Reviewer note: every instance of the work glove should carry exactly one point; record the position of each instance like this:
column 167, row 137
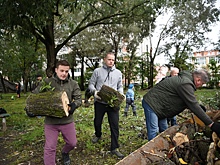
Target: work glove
column 72, row 108
column 216, row 128
column 29, row 114
column 203, row 107
column 96, row 95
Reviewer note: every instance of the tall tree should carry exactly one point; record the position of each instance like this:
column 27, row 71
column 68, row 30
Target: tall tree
column 46, row 21
column 21, row 57
column 190, row 21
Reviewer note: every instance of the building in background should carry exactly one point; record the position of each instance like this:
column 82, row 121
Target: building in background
column 202, row 58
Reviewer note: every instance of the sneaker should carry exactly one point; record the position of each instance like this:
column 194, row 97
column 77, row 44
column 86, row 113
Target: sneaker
column 66, row 158
column 96, row 139
column 117, row 153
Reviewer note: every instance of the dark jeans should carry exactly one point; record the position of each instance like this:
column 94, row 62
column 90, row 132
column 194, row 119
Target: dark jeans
column 113, row 119
column 171, row 121
column 129, row 102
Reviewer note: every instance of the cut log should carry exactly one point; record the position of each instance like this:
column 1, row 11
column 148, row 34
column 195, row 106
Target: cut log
column 111, row 96
column 54, row 104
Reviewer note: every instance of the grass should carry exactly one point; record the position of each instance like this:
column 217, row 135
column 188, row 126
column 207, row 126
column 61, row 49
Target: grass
column 23, row 140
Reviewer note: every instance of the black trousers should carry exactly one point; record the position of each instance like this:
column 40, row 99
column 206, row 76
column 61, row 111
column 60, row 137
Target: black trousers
column 113, row 119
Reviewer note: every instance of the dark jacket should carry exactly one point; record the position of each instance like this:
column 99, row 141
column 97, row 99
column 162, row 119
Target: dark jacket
column 172, row 95
column 73, row 91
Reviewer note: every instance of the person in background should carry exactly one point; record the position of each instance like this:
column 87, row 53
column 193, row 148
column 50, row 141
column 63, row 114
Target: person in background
column 170, row 97
column 18, row 90
column 112, row 77
column 53, row 126
column 130, row 101
column 173, row 72
column 39, row 78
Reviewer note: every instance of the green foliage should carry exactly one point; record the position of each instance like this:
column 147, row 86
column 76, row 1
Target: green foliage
column 186, row 30
column 215, row 76
column 209, row 98
column 24, row 137
column 111, row 101
column 45, row 87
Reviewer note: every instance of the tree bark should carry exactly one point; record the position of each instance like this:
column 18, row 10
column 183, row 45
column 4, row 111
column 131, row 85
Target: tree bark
column 3, row 84
column 53, row 104
column 111, row 96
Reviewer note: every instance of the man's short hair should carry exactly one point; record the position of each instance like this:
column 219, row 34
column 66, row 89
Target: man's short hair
column 62, row 62
column 203, row 74
column 109, row 53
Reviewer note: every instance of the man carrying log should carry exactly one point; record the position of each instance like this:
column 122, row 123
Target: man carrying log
column 170, row 97
column 61, row 81
column 108, row 76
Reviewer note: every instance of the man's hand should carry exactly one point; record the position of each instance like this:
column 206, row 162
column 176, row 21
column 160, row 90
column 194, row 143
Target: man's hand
column 96, row 95
column 216, row 128
column 72, row 107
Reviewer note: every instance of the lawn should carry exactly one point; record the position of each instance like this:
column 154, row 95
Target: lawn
column 23, row 141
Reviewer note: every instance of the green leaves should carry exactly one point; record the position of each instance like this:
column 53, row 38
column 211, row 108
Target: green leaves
column 46, row 87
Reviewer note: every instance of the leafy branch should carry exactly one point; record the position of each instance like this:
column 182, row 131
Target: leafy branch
column 111, row 101
column 46, row 87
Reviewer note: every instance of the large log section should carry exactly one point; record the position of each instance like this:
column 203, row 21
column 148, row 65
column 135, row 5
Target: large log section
column 53, row 104
column 111, row 96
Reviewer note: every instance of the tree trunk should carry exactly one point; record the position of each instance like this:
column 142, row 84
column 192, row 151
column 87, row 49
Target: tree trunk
column 151, row 82
column 111, row 96
column 3, row 84
column 82, row 86
column 50, row 47
column 53, row 104
column 51, row 59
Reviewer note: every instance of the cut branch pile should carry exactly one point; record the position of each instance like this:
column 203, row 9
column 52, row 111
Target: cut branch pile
column 111, row 96
column 190, row 143
column 54, row 104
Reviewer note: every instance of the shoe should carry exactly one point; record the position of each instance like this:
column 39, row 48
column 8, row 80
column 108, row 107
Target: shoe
column 66, row 158
column 117, row 153
column 96, row 139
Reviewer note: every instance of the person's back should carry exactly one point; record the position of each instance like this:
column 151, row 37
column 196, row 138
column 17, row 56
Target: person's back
column 174, row 71
column 170, row 97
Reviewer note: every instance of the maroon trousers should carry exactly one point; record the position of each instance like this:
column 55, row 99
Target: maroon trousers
column 51, row 135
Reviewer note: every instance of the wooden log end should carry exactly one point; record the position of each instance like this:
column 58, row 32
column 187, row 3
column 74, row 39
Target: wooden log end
column 65, row 102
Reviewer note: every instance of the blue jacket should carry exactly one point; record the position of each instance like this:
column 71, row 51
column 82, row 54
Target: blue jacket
column 130, row 94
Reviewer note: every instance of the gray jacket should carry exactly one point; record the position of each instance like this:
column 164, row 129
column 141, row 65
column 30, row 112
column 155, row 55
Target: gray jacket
column 172, row 95
column 111, row 77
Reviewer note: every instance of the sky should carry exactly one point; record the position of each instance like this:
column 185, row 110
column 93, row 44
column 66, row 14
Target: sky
column 213, row 36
